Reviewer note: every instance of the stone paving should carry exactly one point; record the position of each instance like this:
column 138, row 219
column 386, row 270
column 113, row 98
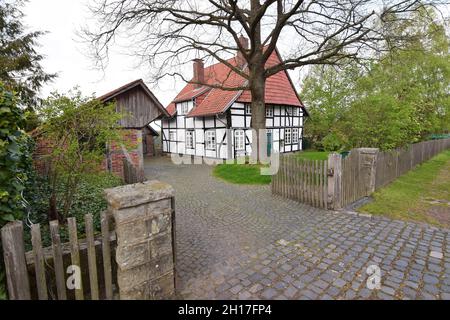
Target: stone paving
column 241, row 242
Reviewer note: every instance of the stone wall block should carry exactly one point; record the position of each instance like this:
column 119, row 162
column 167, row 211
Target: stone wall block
column 129, row 279
column 130, row 256
column 138, row 194
column 157, row 289
column 139, row 230
column 140, row 212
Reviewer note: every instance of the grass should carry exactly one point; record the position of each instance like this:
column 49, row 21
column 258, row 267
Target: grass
column 409, row 197
column 250, row 173
column 313, row 155
column 241, row 174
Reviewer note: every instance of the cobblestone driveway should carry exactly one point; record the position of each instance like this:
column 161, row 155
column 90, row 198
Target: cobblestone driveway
column 240, row 242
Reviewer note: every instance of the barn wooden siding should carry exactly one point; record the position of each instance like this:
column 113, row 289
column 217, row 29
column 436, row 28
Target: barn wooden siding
column 138, row 107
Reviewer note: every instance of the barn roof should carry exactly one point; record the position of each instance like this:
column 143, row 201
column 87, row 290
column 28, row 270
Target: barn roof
column 211, row 101
column 136, row 83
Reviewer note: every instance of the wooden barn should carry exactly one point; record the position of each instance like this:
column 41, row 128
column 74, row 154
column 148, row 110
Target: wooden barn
column 142, row 108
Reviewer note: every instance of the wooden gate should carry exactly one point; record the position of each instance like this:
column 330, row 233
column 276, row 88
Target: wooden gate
column 354, row 179
column 302, row 180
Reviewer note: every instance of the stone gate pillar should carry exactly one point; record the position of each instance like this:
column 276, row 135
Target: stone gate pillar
column 368, row 165
column 145, row 243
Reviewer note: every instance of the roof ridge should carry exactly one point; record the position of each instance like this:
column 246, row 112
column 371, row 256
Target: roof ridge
column 112, row 94
column 121, row 88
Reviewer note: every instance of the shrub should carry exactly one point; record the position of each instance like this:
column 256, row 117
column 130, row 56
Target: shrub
column 332, row 142
column 79, row 129
column 15, row 164
column 87, row 199
column 15, row 158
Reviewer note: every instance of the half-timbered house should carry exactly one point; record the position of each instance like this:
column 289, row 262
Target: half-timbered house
column 210, row 122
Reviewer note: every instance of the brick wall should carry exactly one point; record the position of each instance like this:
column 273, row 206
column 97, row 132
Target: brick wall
column 133, row 141
column 113, row 162
column 40, row 160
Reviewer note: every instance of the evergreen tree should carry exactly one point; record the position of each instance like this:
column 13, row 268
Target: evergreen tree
column 20, row 64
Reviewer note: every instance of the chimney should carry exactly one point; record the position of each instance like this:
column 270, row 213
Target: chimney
column 199, row 73
column 240, row 57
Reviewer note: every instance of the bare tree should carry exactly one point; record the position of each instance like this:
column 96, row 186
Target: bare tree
column 168, row 33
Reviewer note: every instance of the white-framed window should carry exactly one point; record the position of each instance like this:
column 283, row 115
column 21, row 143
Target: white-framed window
column 210, row 140
column 173, row 136
column 295, row 112
column 183, row 107
column 295, row 135
column 269, row 112
column 287, row 136
column 248, row 109
column 239, row 139
column 190, row 139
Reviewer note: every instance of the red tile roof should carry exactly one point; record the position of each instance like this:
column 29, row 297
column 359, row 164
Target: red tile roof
column 279, row 88
column 210, row 101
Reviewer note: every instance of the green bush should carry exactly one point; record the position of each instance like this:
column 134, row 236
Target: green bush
column 79, row 128
column 15, row 164
column 15, row 158
column 387, row 103
column 332, row 142
column 88, row 199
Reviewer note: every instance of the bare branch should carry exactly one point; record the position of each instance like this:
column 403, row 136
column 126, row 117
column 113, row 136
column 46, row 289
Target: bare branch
column 167, row 34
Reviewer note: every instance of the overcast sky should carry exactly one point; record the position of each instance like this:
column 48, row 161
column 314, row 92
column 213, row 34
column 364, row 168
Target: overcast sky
column 64, row 53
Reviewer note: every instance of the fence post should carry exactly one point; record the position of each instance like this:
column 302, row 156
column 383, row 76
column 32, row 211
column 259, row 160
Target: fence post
column 145, row 249
column 334, row 181
column 15, row 263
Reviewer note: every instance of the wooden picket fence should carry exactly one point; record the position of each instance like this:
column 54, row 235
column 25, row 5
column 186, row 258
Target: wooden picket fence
column 393, row 164
column 302, row 180
column 36, row 274
column 131, row 174
column 341, row 181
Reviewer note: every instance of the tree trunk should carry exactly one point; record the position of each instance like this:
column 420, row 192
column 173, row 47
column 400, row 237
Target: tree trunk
column 257, row 83
column 258, row 106
column 52, row 210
